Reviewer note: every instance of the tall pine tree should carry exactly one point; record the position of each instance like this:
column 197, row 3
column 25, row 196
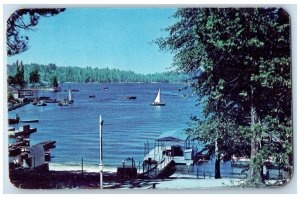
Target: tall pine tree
column 243, row 57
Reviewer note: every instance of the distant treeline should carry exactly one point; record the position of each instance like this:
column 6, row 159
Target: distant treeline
column 88, row 74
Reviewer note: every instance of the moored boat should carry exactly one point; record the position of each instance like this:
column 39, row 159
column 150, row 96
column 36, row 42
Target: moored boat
column 14, row 120
column 35, row 101
column 131, row 97
column 22, row 132
column 49, row 144
column 29, row 121
column 41, row 103
column 63, row 103
column 50, row 100
column 14, row 134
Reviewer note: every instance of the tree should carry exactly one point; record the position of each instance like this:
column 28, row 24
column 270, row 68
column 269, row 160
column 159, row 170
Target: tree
column 34, row 76
column 242, row 57
column 19, row 77
column 11, row 80
column 54, row 82
column 222, row 136
column 79, row 74
column 20, row 20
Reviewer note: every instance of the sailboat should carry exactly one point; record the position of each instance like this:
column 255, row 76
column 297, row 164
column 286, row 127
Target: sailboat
column 157, row 101
column 70, row 99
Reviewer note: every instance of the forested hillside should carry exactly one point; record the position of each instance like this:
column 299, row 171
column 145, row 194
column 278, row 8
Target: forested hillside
column 88, row 74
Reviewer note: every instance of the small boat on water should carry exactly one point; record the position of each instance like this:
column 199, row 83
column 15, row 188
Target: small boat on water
column 41, row 103
column 35, row 101
column 92, row 96
column 131, row 97
column 50, row 100
column 105, row 88
column 157, row 101
column 66, row 102
column 63, row 103
column 29, row 121
column 49, row 144
column 14, row 120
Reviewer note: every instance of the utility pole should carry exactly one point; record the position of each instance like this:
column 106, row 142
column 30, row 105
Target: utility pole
column 101, row 163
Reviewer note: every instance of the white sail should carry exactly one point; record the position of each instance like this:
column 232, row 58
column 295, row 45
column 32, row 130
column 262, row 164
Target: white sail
column 70, row 95
column 157, row 99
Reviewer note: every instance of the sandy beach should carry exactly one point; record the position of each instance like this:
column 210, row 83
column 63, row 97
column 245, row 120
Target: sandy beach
column 76, row 167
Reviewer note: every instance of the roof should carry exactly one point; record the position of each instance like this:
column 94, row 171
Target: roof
column 172, row 136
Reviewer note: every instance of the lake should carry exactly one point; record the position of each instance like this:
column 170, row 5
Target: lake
column 128, row 124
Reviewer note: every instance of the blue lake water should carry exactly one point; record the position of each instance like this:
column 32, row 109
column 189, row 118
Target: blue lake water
column 128, row 124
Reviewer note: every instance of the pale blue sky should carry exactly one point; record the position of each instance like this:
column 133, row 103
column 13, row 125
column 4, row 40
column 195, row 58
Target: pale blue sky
column 101, row 37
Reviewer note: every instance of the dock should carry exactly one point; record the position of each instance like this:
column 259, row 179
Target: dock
column 23, row 131
column 170, row 149
column 18, row 105
column 157, row 154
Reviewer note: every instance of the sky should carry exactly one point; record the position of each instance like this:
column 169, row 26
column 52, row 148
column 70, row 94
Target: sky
column 101, row 37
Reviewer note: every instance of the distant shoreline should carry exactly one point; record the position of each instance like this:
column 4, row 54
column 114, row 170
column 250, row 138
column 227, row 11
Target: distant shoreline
column 88, row 75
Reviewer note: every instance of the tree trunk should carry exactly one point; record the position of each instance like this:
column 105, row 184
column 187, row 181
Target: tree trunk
column 217, row 168
column 218, row 160
column 255, row 170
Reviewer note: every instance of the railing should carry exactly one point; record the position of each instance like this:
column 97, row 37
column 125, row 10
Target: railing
column 149, row 147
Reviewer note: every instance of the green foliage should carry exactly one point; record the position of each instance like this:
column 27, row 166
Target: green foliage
column 19, row 76
column 239, row 63
column 224, row 131
column 24, row 20
column 34, row 76
column 91, row 75
column 54, row 82
column 10, row 97
column 11, row 81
